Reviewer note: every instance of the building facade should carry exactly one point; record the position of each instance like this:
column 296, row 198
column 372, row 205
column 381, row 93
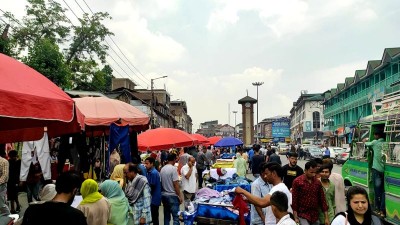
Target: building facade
column 275, row 129
column 359, row 96
column 180, row 113
column 306, row 118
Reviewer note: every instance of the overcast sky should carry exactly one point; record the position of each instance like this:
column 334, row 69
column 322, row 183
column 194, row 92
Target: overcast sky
column 212, row 50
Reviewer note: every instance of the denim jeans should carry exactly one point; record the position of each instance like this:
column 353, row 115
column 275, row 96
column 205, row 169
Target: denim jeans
column 171, row 206
column 379, row 190
column 32, row 190
column 4, row 211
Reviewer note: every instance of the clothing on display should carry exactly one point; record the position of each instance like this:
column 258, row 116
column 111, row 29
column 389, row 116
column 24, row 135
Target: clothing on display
column 33, row 151
column 119, row 135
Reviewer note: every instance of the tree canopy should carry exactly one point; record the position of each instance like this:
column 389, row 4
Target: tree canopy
column 73, row 56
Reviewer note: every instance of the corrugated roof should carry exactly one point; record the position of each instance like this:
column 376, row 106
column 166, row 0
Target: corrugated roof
column 340, row 86
column 349, row 81
column 392, row 51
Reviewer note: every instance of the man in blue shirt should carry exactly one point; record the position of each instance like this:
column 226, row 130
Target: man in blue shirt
column 153, row 177
column 327, row 152
column 250, row 154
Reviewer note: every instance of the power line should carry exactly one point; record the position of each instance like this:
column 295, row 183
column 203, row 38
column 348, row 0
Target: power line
column 118, row 46
column 108, row 54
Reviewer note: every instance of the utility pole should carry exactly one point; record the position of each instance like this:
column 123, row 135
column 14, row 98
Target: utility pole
column 152, row 125
column 235, row 123
column 257, row 84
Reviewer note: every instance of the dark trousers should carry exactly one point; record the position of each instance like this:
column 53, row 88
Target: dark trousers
column 200, row 177
column 154, row 214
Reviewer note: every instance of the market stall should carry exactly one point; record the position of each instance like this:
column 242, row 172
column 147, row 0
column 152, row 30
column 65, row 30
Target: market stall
column 217, row 203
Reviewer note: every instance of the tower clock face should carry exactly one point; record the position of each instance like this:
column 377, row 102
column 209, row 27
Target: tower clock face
column 247, row 104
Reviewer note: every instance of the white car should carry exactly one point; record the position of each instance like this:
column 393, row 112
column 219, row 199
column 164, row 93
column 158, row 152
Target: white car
column 283, row 148
column 334, row 151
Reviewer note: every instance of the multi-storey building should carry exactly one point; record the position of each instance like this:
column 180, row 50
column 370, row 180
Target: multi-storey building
column 360, row 95
column 275, row 128
column 306, row 118
column 143, row 99
column 179, row 111
column 208, row 128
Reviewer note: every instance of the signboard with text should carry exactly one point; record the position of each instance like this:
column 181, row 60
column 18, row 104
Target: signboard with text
column 281, row 128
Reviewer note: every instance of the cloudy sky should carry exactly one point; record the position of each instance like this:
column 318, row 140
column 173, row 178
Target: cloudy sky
column 212, row 50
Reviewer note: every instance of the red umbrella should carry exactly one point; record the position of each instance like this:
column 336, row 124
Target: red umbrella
column 102, row 111
column 29, row 102
column 214, row 139
column 200, row 138
column 164, row 138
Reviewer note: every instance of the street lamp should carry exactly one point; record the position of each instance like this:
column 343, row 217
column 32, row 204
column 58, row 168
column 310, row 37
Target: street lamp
column 257, row 84
column 235, row 123
column 152, row 100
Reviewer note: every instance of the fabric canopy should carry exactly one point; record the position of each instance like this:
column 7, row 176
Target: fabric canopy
column 164, row 138
column 200, row 138
column 228, row 141
column 212, row 140
column 102, row 111
column 29, row 102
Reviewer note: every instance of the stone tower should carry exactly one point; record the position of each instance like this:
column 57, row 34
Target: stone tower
column 248, row 119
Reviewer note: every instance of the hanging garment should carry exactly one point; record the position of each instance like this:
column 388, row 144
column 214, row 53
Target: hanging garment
column 240, row 204
column 32, row 150
column 119, row 135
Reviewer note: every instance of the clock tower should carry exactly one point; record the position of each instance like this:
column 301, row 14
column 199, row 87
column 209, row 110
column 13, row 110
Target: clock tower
column 248, row 119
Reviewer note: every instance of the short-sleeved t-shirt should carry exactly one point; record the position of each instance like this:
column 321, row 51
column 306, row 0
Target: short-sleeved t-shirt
column 168, row 175
column 291, row 173
column 270, row 219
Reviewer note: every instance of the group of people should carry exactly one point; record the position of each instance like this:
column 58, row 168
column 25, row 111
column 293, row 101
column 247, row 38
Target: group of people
column 311, row 196
column 279, row 194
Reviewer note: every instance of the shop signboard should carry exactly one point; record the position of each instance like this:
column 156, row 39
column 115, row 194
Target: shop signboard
column 281, row 128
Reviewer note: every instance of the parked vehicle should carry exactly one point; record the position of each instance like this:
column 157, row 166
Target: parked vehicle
column 313, row 152
column 342, row 156
column 283, row 148
column 357, row 170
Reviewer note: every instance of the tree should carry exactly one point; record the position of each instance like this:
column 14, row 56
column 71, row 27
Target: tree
column 45, row 57
column 46, row 25
column 44, row 19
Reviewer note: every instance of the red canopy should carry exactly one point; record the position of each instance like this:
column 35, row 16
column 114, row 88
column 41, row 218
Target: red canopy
column 214, row 139
column 164, row 138
column 200, row 138
column 103, row 111
column 29, row 102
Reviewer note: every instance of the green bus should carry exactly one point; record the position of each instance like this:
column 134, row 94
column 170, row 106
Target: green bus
column 357, row 169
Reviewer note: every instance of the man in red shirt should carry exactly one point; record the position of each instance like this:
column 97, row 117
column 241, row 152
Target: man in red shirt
column 308, row 196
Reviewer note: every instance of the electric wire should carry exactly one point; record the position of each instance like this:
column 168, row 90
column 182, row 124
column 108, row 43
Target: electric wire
column 138, row 71
column 130, row 77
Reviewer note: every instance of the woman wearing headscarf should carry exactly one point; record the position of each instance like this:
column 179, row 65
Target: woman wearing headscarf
column 119, row 203
column 94, row 206
column 118, row 174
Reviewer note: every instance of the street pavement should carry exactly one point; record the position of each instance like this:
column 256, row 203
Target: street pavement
column 337, row 169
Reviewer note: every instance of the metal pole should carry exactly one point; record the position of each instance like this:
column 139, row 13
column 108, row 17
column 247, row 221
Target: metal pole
column 152, row 101
column 257, row 84
column 235, row 123
column 152, row 105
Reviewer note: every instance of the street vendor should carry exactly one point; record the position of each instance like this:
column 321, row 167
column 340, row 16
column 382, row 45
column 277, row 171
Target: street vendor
column 272, row 173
